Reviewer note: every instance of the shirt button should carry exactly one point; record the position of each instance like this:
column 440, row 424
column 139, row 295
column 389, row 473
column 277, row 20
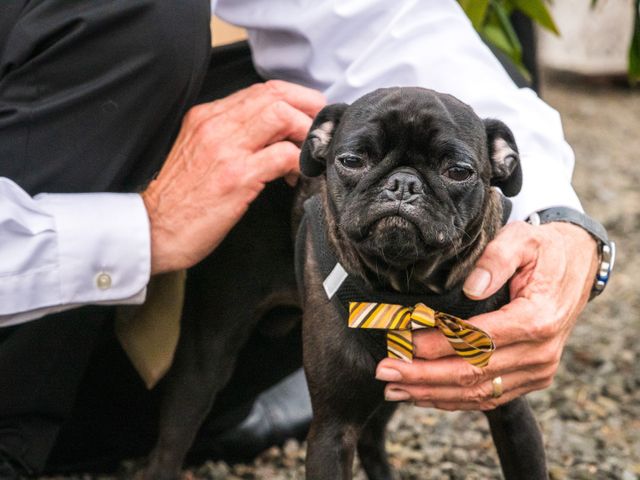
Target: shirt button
column 103, row 281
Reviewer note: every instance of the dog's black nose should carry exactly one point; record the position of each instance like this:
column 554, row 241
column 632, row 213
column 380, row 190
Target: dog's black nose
column 404, row 185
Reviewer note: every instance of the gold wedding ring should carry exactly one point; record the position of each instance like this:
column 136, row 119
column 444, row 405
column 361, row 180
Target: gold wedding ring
column 497, row 387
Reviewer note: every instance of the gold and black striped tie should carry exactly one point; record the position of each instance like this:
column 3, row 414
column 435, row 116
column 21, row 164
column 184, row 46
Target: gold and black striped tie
column 471, row 343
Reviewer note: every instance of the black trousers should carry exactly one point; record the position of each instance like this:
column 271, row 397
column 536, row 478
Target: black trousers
column 92, row 93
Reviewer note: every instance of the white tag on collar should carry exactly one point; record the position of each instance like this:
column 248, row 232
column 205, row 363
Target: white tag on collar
column 333, row 281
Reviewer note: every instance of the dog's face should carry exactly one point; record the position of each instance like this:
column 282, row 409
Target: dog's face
column 409, row 174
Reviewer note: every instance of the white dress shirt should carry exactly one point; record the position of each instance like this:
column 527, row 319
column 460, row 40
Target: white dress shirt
column 58, row 251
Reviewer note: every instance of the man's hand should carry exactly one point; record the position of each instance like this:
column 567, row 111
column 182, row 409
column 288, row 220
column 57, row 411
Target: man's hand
column 224, row 155
column 552, row 268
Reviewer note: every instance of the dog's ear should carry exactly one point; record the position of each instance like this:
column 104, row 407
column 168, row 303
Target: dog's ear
column 313, row 158
column 506, row 171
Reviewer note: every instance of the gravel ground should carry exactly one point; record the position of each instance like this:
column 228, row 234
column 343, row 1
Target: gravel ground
column 590, row 417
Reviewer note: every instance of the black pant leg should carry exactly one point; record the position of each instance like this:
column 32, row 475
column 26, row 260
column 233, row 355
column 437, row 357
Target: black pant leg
column 92, row 93
column 41, row 364
column 115, row 416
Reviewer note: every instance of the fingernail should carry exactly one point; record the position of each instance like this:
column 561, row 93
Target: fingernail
column 388, row 375
column 425, row 404
column 291, row 179
column 477, row 282
column 394, row 395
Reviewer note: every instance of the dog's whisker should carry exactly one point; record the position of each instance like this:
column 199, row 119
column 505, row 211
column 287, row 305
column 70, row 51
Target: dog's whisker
column 377, row 270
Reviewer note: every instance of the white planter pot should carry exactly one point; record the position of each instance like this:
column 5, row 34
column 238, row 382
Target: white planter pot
column 593, row 41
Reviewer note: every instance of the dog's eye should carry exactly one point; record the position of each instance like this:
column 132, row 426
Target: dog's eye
column 351, row 161
column 458, row 174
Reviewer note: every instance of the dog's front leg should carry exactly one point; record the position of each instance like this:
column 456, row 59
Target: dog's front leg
column 371, row 446
column 518, row 441
column 331, row 446
column 344, row 396
column 338, row 430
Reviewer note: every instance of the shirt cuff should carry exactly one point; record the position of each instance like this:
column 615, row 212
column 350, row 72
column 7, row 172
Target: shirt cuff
column 544, row 185
column 104, row 246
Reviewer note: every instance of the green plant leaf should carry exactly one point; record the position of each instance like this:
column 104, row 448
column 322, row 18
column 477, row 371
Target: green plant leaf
column 476, row 10
column 507, row 5
column 499, row 31
column 538, row 11
column 502, row 22
column 497, row 37
column 634, row 50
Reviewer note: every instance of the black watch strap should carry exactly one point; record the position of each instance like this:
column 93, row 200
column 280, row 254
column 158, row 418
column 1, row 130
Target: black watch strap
column 566, row 214
column 607, row 248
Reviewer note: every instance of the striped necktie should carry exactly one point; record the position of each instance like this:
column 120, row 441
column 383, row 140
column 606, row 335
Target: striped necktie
column 471, row 343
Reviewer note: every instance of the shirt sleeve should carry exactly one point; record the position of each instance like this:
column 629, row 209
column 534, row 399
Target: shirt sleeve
column 59, row 251
column 347, row 48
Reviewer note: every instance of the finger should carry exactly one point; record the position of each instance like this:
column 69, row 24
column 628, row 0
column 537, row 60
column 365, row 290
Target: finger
column 277, row 121
column 488, row 404
column 521, row 320
column 514, row 322
column 515, row 246
column 533, row 319
column 307, row 100
column 430, row 344
column 477, row 394
column 260, row 123
column 292, row 178
column 245, row 103
column 274, row 161
column 444, row 371
column 455, row 371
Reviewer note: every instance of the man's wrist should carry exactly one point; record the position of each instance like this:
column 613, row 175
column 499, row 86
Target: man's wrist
column 160, row 262
column 606, row 247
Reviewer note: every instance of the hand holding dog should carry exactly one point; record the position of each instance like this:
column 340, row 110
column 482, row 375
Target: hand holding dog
column 225, row 153
column 551, row 269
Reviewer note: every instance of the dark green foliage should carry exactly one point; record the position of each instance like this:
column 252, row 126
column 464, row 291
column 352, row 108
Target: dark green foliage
column 491, row 18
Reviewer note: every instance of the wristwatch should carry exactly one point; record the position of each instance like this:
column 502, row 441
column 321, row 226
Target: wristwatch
column 606, row 247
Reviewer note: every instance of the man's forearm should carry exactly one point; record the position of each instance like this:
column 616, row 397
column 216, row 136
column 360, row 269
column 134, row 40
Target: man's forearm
column 64, row 250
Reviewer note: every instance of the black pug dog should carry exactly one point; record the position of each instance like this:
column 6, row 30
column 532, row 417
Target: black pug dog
column 406, row 209
column 406, row 205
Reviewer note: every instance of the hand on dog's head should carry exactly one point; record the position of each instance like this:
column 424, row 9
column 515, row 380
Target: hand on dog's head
column 409, row 176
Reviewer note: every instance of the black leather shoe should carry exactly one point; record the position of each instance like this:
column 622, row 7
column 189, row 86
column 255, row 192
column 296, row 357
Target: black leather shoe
column 280, row 413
